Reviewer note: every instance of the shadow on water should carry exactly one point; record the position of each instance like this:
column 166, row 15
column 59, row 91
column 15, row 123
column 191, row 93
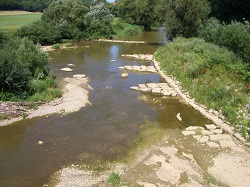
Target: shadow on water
column 102, row 129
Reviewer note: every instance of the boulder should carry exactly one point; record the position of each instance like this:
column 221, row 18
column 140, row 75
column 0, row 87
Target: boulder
column 124, row 75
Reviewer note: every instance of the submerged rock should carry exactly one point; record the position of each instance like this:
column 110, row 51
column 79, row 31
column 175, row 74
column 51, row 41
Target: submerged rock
column 79, row 76
column 124, row 75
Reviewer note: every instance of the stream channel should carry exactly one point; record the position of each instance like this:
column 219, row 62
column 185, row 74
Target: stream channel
column 102, row 129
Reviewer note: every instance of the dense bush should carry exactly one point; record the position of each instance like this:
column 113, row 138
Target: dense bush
column 234, row 36
column 212, row 75
column 21, row 65
column 40, row 32
column 184, row 17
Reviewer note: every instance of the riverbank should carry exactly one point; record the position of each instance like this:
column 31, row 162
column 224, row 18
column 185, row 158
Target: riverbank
column 75, row 96
column 185, row 160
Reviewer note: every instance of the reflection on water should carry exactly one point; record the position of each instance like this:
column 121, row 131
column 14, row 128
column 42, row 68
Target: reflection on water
column 102, row 129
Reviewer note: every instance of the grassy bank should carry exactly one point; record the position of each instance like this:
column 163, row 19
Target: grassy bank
column 10, row 23
column 122, row 28
column 213, row 76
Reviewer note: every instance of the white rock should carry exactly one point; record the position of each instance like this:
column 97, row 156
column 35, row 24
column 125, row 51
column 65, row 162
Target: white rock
column 218, row 137
column 212, row 144
column 204, row 139
column 134, row 88
column 40, row 143
column 211, row 127
column 146, row 90
column 197, row 137
column 112, row 60
column 217, row 131
column 124, row 75
column 194, row 128
column 79, row 76
column 206, row 132
column 156, row 90
column 121, row 67
column 227, row 143
column 66, row 69
column 178, row 116
column 71, row 65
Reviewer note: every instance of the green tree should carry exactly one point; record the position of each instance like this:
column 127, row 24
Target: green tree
column 21, row 61
column 184, row 17
column 98, row 21
column 40, row 32
column 61, row 11
column 141, row 12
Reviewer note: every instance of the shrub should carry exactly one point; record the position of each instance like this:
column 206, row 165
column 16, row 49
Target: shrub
column 234, row 36
column 56, row 46
column 40, row 32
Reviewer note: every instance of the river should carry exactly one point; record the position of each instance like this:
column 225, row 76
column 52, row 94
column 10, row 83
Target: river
column 101, row 130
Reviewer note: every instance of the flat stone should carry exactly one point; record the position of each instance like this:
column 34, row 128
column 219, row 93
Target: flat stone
column 146, row 90
column 142, row 86
column 40, row 143
column 206, row 132
column 174, row 94
column 227, row 143
column 197, row 137
column 219, row 137
column 163, row 84
column 134, row 88
column 211, row 127
column 79, row 76
column 121, row 67
column 71, row 65
column 166, row 93
column 239, row 137
column 152, row 85
column 217, row 131
column 204, row 139
column 213, row 144
column 186, row 133
column 66, row 69
column 156, row 91
column 194, row 128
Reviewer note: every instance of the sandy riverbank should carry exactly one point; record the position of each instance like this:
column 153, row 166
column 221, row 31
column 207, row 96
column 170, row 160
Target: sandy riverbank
column 75, row 96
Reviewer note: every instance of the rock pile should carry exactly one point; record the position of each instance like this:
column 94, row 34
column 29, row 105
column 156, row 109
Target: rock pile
column 139, row 56
column 211, row 135
column 150, row 69
column 156, row 88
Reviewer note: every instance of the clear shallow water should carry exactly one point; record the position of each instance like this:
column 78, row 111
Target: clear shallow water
column 101, row 130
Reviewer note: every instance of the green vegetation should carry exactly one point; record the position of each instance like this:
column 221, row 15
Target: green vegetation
column 24, row 72
column 122, row 28
column 214, row 76
column 114, row 179
column 234, row 36
column 10, row 23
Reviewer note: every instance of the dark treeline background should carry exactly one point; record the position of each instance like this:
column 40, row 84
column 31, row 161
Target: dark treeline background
column 34, row 5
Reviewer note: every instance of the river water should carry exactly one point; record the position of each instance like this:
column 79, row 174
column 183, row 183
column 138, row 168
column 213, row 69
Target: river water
column 101, row 130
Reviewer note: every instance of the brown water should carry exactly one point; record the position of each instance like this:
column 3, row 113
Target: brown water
column 102, row 129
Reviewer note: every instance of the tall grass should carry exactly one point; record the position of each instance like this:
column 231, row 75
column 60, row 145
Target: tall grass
column 10, row 23
column 212, row 75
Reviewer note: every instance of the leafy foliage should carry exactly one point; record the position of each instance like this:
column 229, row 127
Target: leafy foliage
column 40, row 32
column 212, row 75
column 234, row 36
column 184, row 17
column 20, row 59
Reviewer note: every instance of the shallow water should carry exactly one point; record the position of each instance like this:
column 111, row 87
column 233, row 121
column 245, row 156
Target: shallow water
column 101, row 130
